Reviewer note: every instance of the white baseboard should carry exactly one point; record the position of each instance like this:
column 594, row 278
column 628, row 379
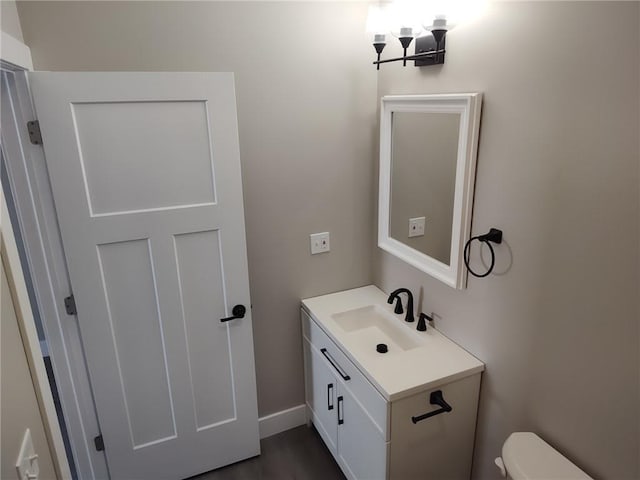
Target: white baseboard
column 283, row 420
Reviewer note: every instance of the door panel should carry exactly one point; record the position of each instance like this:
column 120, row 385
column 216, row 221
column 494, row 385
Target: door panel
column 143, row 168
column 323, row 397
column 145, row 174
column 202, row 292
column 362, row 448
column 136, row 330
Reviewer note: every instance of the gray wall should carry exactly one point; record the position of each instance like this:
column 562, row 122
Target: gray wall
column 306, row 97
column 557, row 325
column 9, row 20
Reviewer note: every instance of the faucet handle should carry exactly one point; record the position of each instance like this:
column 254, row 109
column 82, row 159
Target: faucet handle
column 422, row 324
column 398, row 308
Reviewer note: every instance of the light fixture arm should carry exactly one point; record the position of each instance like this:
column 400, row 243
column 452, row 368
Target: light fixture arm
column 418, row 56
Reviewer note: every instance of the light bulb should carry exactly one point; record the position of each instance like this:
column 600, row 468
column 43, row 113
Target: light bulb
column 439, row 23
column 405, row 19
column 377, row 19
column 455, row 12
column 377, row 23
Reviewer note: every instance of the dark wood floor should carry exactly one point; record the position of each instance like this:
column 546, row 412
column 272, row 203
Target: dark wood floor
column 297, row 454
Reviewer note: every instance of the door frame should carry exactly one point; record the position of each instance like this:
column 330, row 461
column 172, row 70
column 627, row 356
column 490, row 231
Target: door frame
column 34, row 208
column 26, row 324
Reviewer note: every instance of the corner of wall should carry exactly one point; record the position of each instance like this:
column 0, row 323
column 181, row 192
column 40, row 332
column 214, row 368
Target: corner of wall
column 10, row 22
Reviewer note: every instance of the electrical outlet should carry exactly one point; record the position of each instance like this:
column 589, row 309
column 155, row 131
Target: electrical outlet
column 319, row 242
column 416, row 226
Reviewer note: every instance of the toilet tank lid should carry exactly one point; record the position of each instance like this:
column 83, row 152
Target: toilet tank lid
column 527, row 456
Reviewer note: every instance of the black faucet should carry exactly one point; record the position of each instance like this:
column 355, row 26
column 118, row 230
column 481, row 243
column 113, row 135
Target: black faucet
column 396, row 295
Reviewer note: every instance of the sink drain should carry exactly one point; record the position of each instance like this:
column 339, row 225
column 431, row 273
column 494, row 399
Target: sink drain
column 382, row 348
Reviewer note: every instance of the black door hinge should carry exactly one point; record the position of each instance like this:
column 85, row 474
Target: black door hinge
column 70, row 305
column 35, row 136
column 99, row 443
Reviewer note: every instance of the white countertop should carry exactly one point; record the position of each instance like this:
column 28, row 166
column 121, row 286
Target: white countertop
column 397, row 374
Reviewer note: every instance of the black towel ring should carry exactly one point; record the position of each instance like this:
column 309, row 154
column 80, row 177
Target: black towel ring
column 494, row 236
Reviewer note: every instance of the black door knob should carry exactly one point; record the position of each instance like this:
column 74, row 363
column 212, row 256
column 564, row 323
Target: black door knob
column 238, row 312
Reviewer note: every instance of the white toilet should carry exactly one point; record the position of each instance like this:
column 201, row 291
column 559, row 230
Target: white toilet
column 525, row 456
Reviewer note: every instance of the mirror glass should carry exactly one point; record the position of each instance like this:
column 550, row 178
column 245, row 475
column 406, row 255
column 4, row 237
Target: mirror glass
column 424, row 150
column 428, row 147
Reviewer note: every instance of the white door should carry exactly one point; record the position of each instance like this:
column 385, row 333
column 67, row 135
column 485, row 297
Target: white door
column 145, row 173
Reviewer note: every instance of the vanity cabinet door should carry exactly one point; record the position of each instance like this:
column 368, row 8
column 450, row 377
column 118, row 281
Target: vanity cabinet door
column 446, row 439
column 321, row 396
column 362, row 449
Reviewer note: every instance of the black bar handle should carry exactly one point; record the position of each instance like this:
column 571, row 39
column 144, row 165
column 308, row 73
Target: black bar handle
column 237, row 312
column 334, row 364
column 435, row 398
column 330, row 396
column 340, row 411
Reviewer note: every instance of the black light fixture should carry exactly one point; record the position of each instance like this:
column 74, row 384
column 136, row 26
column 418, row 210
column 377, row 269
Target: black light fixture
column 428, row 21
column 379, row 44
column 429, row 48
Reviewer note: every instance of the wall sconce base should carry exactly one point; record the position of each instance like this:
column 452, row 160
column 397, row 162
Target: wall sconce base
column 427, row 43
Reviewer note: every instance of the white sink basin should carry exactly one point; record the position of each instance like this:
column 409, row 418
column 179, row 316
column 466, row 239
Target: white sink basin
column 373, row 325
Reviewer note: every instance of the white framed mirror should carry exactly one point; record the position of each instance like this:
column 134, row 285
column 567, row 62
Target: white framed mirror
column 428, row 150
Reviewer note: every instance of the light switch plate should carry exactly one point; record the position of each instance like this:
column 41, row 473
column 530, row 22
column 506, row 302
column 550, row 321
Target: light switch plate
column 27, row 462
column 416, row 226
column 320, row 242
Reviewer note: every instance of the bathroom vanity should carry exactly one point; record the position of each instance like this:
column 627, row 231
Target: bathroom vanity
column 374, row 410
